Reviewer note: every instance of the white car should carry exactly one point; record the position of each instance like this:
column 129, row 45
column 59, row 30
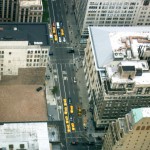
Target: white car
column 74, row 80
column 64, row 39
column 60, row 40
column 57, row 25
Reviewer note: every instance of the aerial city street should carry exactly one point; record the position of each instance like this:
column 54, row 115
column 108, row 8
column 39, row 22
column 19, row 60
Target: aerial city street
column 75, row 74
column 65, row 62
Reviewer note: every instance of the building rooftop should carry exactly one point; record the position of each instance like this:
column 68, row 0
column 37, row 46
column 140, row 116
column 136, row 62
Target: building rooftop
column 29, row 136
column 122, row 51
column 133, row 117
column 140, row 113
column 30, row 2
column 109, row 41
column 22, row 103
column 34, row 33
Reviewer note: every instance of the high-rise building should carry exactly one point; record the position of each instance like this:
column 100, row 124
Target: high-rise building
column 116, row 66
column 111, row 13
column 8, row 10
column 21, row 11
column 23, row 46
column 131, row 132
column 30, row 11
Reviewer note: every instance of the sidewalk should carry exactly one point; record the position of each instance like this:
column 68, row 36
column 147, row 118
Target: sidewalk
column 53, row 113
column 81, row 83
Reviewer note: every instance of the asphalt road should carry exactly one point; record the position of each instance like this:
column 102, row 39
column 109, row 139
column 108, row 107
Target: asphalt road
column 64, row 73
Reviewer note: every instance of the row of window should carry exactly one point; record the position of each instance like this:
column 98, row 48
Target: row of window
column 36, row 64
column 37, row 56
column 31, row 52
column 35, row 60
column 143, row 128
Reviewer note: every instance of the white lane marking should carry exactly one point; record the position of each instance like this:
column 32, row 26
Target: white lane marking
column 53, row 11
column 58, row 81
column 63, row 81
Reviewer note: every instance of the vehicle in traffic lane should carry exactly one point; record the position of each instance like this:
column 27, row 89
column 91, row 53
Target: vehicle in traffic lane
column 74, row 143
column 79, row 111
column 54, row 30
column 62, row 32
column 70, row 51
column 65, row 102
column 71, row 118
column 61, row 23
column 69, row 101
column 55, row 37
column 71, row 109
column 59, row 39
column 58, row 32
column 64, row 39
column 65, row 110
column 50, row 53
column 57, row 25
column 73, row 127
column 68, row 128
column 66, row 120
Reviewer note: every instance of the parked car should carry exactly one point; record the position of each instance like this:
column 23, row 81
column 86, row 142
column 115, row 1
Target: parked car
column 39, row 89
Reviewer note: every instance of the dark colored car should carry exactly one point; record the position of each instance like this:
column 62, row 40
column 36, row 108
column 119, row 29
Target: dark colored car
column 50, row 53
column 69, row 101
column 39, row 89
column 58, row 32
column 74, row 143
column 70, row 51
column 61, row 23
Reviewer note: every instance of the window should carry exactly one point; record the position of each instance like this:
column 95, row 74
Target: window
column 138, row 128
column 148, row 128
column 9, row 53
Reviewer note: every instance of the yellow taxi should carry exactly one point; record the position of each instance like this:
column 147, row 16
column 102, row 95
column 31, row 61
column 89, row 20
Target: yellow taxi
column 62, row 32
column 55, row 37
column 73, row 127
column 79, row 111
column 65, row 110
column 65, row 102
column 54, row 30
column 71, row 109
column 66, row 119
column 68, row 128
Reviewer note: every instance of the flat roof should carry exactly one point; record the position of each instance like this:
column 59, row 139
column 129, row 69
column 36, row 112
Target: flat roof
column 106, row 40
column 30, row 2
column 31, row 32
column 31, row 135
column 140, row 113
column 22, row 103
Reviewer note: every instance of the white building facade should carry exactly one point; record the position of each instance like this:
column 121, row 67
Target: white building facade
column 19, row 54
column 116, row 67
column 111, row 13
